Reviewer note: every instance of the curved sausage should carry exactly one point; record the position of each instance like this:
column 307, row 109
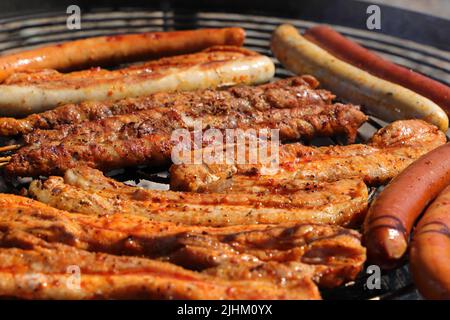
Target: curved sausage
column 384, row 99
column 353, row 53
column 33, row 92
column 392, row 215
column 430, row 250
column 101, row 51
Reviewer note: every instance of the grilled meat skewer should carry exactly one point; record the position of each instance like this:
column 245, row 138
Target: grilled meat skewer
column 277, row 253
column 389, row 151
column 287, row 93
column 145, row 137
column 86, row 190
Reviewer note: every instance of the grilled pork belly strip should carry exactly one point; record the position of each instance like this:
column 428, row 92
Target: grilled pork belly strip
column 86, row 190
column 145, row 137
column 389, row 151
column 329, row 254
column 36, row 91
column 287, row 93
column 33, row 269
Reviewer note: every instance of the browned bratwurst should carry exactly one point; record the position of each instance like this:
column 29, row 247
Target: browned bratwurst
column 430, row 250
column 100, row 51
column 392, row 215
column 384, row 99
column 351, row 52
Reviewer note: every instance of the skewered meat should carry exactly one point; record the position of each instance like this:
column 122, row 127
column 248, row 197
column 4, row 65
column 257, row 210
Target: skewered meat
column 287, row 93
column 86, row 190
column 389, row 151
column 36, row 91
column 145, row 137
column 330, row 255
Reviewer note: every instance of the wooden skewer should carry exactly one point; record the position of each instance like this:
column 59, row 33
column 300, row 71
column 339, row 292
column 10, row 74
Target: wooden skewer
column 5, row 159
column 9, row 148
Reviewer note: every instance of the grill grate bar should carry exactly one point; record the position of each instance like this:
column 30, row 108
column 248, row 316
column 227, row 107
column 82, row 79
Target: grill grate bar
column 237, row 18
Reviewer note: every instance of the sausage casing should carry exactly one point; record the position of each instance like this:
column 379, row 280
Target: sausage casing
column 430, row 250
column 353, row 53
column 392, row 215
column 384, row 99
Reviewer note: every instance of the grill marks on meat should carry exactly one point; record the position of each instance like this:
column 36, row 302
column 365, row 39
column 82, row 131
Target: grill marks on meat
column 284, row 255
column 144, row 137
column 294, row 92
column 87, row 191
column 243, row 262
column 390, row 150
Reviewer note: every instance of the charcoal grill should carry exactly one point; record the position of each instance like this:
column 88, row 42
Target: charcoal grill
column 26, row 27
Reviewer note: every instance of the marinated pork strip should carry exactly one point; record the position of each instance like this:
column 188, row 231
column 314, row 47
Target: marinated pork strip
column 145, row 137
column 37, row 91
column 389, row 151
column 331, row 255
column 116, row 49
column 384, row 99
column 33, row 269
column 341, row 203
column 287, row 93
column 93, row 180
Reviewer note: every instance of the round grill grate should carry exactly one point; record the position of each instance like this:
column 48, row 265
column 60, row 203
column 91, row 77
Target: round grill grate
column 26, row 31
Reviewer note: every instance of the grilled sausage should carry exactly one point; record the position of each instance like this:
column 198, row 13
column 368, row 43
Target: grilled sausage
column 100, row 51
column 382, row 98
column 430, row 250
column 349, row 51
column 33, row 92
column 392, row 215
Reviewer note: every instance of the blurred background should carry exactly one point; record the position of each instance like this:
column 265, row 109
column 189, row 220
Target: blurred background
column 424, row 21
column 414, row 33
column 439, row 8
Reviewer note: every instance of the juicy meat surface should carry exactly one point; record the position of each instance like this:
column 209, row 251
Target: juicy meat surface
column 86, row 190
column 330, row 255
column 29, row 92
column 49, row 78
column 287, row 93
column 389, row 151
column 145, row 137
column 31, row 268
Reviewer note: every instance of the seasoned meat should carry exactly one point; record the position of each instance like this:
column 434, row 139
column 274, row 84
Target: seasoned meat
column 283, row 254
column 389, row 151
column 87, row 191
column 145, row 137
column 288, row 93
